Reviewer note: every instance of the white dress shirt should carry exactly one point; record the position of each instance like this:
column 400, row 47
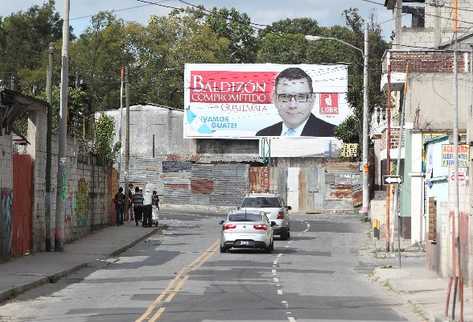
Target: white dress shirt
column 296, row 131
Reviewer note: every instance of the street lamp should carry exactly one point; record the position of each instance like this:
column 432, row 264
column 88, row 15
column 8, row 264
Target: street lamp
column 364, row 53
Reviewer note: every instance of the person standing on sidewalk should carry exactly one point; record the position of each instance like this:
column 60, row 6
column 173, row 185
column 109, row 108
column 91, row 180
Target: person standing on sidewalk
column 147, row 208
column 138, row 205
column 155, row 214
column 119, row 201
column 130, row 215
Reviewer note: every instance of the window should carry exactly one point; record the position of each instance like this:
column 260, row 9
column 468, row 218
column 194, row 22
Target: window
column 245, row 217
column 261, row 202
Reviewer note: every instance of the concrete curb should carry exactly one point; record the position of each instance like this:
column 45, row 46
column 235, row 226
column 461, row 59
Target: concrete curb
column 54, row 277
column 386, row 284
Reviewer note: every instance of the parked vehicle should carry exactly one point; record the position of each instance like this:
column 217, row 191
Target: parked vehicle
column 274, row 207
column 246, row 230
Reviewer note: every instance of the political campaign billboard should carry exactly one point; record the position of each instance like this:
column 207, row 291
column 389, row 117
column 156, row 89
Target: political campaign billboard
column 242, row 101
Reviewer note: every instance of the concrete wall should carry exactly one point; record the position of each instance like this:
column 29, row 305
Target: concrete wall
column 435, row 111
column 87, row 197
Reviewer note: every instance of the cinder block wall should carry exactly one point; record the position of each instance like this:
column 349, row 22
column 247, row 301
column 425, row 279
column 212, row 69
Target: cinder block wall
column 88, row 198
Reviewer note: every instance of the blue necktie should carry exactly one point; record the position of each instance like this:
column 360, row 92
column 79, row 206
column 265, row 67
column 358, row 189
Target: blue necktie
column 290, row 132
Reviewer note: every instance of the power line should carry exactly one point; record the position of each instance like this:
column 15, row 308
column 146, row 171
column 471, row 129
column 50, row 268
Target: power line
column 113, row 10
column 210, row 12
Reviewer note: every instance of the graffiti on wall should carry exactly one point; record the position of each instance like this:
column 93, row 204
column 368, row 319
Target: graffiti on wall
column 6, row 203
column 82, row 202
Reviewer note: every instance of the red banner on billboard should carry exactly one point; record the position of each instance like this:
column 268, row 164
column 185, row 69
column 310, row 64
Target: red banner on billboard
column 329, row 103
column 231, row 87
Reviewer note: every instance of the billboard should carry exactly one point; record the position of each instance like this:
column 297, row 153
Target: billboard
column 242, row 101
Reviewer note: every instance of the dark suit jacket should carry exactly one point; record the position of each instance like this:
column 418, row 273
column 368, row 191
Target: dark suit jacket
column 313, row 127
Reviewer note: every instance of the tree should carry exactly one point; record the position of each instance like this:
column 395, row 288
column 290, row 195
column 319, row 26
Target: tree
column 237, row 28
column 171, row 42
column 24, row 41
column 104, row 133
column 97, row 57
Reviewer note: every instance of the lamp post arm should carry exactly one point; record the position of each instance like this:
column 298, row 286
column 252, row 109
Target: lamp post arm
column 345, row 43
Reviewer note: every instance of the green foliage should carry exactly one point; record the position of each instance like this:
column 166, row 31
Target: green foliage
column 78, row 110
column 104, row 133
column 237, row 28
column 349, row 130
column 24, row 41
column 155, row 55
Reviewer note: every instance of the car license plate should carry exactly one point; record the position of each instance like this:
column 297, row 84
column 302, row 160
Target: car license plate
column 244, row 243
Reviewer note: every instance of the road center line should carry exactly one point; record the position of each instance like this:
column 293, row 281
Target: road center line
column 157, row 315
column 176, row 283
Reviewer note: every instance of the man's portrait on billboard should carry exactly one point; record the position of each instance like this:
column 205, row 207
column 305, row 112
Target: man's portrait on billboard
column 294, row 99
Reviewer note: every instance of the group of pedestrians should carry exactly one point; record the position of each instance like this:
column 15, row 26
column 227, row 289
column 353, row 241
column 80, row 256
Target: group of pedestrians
column 142, row 206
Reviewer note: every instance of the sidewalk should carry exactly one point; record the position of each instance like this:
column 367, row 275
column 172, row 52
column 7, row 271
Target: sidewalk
column 21, row 274
column 420, row 288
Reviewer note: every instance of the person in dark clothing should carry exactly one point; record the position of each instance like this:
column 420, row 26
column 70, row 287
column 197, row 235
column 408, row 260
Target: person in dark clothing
column 119, row 201
column 155, row 199
column 138, row 205
column 130, row 201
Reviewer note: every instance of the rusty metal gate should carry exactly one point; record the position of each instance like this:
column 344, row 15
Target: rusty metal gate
column 21, row 224
column 259, row 179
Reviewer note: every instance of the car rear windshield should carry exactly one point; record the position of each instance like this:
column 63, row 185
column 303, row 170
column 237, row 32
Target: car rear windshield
column 244, row 217
column 261, row 202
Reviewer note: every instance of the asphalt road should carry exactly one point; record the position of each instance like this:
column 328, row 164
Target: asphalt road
column 180, row 276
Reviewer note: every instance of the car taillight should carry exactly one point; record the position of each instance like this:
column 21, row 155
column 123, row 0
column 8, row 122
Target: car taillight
column 280, row 215
column 260, row 227
column 229, row 226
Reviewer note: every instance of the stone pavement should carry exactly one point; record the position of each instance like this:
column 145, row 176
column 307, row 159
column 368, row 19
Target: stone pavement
column 421, row 289
column 21, row 274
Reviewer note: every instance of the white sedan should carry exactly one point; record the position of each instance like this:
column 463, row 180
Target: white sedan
column 246, row 230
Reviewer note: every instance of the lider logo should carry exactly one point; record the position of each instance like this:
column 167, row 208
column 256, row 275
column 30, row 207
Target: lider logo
column 329, row 103
column 231, row 87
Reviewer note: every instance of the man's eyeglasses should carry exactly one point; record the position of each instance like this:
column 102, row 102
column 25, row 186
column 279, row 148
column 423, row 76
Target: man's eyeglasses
column 300, row 98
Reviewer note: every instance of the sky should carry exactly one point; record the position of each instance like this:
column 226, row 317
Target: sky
column 326, row 12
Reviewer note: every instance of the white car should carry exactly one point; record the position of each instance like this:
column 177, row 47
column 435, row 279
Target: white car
column 273, row 206
column 246, row 230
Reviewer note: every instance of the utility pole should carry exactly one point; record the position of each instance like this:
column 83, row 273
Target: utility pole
column 120, row 132
column 396, row 203
column 62, row 135
column 49, row 120
column 366, row 191
column 457, row 274
column 388, row 163
column 127, row 138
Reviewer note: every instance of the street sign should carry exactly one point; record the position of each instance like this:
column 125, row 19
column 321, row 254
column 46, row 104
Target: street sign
column 392, row 179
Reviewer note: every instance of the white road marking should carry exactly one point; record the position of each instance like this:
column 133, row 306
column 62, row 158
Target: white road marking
column 279, row 292
column 287, row 246
column 278, row 285
column 275, row 280
column 288, row 312
column 273, row 271
column 285, row 303
column 280, row 254
column 291, row 319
